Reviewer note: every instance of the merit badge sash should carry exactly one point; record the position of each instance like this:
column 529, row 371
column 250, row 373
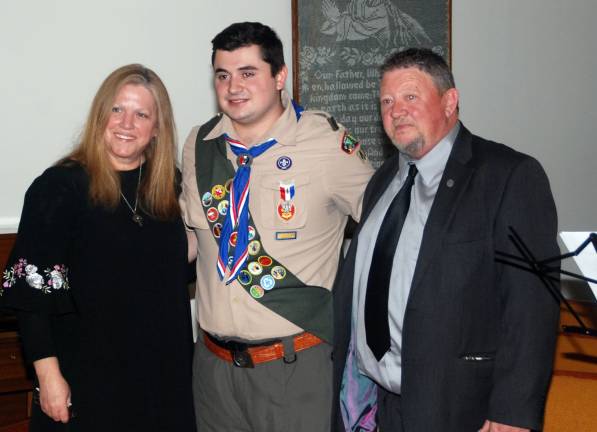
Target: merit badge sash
column 265, row 278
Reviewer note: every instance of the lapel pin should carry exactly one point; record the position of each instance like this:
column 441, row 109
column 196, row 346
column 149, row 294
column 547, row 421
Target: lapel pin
column 450, row 183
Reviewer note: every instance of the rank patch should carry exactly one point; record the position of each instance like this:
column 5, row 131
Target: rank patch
column 286, row 210
column 349, row 143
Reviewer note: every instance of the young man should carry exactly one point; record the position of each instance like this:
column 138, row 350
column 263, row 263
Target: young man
column 267, row 191
column 449, row 338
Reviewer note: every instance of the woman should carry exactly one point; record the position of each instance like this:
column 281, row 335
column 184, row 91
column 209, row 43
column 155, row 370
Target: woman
column 97, row 274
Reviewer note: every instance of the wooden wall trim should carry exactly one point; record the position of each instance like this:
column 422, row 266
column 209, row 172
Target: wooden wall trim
column 6, row 243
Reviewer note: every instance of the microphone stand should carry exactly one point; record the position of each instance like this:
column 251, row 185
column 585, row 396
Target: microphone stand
column 527, row 262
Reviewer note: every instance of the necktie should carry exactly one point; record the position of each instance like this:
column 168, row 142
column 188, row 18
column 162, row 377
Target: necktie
column 377, row 327
column 237, row 217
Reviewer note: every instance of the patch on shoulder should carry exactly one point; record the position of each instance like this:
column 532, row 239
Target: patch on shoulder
column 349, row 143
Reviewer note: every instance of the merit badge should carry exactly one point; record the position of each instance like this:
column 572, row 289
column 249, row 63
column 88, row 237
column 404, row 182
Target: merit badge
column 218, row 191
column 349, row 143
column 217, row 230
column 233, row 238
column 256, row 291
column 212, row 214
column 206, row 199
column 223, row 207
column 278, row 272
column 251, row 233
column 267, row 282
column 284, row 162
column 254, row 268
column 244, row 277
column 265, row 261
column 286, row 210
column 227, row 184
column 254, row 247
column 286, row 191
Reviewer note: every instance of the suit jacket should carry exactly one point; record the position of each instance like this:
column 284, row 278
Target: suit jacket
column 478, row 336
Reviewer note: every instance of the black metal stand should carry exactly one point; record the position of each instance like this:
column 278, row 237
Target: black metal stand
column 527, row 262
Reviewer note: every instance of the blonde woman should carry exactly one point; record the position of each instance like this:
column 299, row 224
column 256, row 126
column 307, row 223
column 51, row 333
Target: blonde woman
column 97, row 274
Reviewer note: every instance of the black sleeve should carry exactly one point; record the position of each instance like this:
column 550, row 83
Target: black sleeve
column 36, row 275
column 36, row 335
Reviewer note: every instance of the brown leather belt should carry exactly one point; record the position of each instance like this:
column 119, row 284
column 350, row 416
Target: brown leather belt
column 247, row 355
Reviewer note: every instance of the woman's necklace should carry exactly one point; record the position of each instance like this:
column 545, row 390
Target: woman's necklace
column 136, row 216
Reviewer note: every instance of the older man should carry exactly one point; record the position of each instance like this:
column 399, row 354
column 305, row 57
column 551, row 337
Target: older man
column 448, row 338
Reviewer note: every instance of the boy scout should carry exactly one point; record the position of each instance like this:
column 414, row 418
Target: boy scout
column 267, row 189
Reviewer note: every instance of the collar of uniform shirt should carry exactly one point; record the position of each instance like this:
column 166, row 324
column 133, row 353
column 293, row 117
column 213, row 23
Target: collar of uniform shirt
column 283, row 130
column 431, row 166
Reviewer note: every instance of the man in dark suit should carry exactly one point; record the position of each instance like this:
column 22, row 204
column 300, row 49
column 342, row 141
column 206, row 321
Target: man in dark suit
column 432, row 333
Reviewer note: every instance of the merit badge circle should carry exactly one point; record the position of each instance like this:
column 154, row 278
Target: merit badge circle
column 223, row 207
column 256, row 291
column 254, row 247
column 244, row 277
column 265, row 261
column 286, row 210
column 255, row 268
column 267, row 282
column 278, row 272
column 212, row 214
column 206, row 199
column 284, row 163
column 251, row 233
column 217, row 230
column 218, row 191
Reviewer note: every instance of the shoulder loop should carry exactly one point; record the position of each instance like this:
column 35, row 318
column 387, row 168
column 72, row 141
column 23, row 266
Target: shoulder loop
column 330, row 118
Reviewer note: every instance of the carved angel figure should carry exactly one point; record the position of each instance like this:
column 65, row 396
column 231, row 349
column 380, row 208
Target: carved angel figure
column 378, row 19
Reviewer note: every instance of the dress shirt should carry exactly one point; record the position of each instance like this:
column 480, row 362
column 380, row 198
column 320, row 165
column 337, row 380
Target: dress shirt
column 387, row 372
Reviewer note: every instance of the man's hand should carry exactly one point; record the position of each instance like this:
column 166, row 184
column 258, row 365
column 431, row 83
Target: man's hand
column 490, row 426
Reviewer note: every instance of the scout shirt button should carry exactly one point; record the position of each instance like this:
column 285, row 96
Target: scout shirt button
column 450, row 183
column 267, row 282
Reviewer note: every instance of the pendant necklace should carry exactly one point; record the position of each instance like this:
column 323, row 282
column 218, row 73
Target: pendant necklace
column 137, row 218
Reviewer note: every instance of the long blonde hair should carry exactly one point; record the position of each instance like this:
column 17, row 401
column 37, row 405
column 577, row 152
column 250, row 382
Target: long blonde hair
column 157, row 193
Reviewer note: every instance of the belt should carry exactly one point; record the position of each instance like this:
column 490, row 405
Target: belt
column 247, row 355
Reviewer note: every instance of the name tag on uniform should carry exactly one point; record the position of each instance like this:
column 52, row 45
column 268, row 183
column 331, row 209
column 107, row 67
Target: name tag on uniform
column 286, row 235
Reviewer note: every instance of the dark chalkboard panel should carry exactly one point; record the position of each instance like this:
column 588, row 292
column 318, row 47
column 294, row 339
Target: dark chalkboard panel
column 338, row 46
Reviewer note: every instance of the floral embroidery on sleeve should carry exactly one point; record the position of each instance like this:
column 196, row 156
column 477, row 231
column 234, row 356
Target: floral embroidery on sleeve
column 53, row 279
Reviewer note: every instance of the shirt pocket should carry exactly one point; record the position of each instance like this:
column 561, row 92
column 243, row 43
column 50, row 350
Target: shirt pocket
column 274, row 214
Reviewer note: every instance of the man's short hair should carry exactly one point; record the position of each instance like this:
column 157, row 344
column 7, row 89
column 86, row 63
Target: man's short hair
column 245, row 34
column 426, row 61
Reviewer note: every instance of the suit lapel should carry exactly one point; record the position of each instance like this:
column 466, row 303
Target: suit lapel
column 457, row 174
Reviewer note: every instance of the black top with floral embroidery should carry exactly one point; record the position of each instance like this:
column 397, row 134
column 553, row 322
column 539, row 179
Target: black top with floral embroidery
column 108, row 298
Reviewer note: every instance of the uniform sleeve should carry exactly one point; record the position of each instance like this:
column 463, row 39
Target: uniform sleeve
column 524, row 358
column 348, row 172
column 36, row 275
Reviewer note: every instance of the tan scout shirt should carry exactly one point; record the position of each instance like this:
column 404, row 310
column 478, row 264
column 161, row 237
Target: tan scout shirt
column 329, row 185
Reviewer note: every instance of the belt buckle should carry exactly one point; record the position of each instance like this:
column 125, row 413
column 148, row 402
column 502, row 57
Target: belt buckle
column 240, row 356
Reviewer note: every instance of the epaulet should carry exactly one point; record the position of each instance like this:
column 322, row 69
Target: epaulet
column 330, row 118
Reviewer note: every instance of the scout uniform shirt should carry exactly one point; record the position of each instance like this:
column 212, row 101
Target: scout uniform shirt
column 328, row 175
